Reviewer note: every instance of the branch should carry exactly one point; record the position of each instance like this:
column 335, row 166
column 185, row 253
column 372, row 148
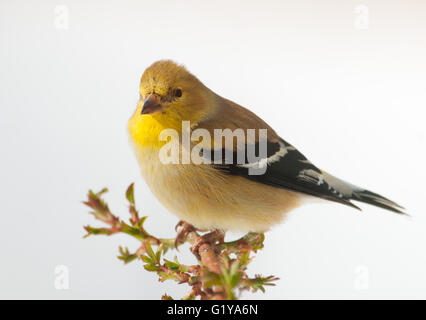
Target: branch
column 221, row 269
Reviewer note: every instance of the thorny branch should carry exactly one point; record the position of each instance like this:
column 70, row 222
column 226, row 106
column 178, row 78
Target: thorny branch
column 221, row 269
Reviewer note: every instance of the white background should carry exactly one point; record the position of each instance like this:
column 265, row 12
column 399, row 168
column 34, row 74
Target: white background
column 352, row 99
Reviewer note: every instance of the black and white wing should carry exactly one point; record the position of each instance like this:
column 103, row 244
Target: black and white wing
column 287, row 168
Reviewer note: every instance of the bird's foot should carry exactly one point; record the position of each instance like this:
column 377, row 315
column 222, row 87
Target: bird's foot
column 183, row 229
column 209, row 238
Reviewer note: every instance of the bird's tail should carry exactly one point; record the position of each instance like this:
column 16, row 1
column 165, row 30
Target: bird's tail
column 376, row 200
column 356, row 193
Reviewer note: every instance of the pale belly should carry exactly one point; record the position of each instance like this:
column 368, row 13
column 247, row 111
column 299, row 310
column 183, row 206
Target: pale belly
column 209, row 199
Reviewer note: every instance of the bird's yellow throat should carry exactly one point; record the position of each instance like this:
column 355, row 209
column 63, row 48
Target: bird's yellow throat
column 145, row 130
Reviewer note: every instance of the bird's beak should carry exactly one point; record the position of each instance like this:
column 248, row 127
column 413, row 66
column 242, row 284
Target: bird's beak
column 151, row 104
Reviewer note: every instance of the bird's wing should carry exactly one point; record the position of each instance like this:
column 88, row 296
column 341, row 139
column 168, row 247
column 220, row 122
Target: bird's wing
column 286, row 167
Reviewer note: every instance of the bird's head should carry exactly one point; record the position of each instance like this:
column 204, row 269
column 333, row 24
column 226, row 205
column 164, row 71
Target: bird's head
column 170, row 94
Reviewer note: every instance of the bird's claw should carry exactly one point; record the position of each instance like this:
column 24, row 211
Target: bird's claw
column 210, row 238
column 184, row 228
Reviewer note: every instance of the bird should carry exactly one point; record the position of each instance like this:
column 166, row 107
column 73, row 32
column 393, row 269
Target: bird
column 224, row 195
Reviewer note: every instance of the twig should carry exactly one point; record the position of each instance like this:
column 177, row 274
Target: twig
column 220, row 273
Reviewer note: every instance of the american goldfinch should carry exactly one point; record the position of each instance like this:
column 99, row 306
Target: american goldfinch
column 224, row 195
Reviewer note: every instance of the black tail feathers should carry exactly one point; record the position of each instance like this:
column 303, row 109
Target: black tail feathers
column 376, row 200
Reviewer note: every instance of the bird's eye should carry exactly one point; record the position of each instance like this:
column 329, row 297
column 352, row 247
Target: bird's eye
column 178, row 93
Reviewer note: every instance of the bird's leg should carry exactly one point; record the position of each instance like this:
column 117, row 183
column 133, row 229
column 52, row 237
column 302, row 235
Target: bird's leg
column 184, row 229
column 209, row 238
